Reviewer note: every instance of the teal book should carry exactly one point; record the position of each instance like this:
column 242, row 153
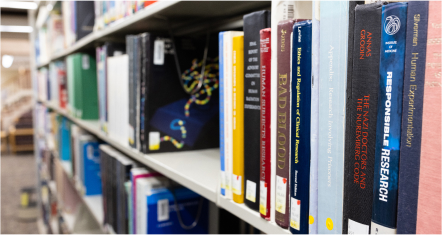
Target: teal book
column 128, row 187
column 332, row 101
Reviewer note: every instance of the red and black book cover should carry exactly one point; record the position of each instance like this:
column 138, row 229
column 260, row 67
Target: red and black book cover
column 282, row 193
column 265, row 120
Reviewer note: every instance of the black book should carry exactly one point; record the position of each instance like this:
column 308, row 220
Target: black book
column 84, row 18
column 414, row 81
column 131, row 51
column 253, row 23
column 171, row 119
column 104, row 171
column 360, row 136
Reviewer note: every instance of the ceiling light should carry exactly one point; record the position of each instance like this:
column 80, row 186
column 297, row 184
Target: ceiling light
column 15, row 29
column 18, row 5
column 7, row 60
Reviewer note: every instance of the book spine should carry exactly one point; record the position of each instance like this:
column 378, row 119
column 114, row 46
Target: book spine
column 388, row 132
column 253, row 23
column 412, row 105
column 130, row 53
column 429, row 200
column 332, row 103
column 238, row 118
column 360, row 138
column 221, row 112
column 283, row 124
column 137, row 86
column 265, row 123
column 228, row 112
column 314, row 117
column 300, row 127
column 145, row 45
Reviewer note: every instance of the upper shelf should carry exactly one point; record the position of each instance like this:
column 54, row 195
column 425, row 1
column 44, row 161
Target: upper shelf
column 182, row 17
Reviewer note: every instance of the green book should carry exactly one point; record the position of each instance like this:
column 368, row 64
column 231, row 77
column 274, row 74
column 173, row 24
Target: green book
column 82, row 86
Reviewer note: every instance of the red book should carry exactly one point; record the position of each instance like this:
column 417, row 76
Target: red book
column 264, row 194
column 63, row 92
column 429, row 200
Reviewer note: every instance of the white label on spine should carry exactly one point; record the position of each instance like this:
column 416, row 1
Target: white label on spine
column 251, row 191
column 223, row 179
column 163, row 210
column 158, row 52
column 228, row 181
column 237, row 184
column 357, row 228
column 263, row 198
column 295, row 213
column 281, row 192
column 85, row 62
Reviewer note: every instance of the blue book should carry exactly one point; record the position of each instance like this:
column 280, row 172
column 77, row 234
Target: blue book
column 388, row 128
column 91, row 165
column 65, row 139
column 300, row 127
column 162, row 217
column 332, row 105
column 414, row 81
column 221, row 111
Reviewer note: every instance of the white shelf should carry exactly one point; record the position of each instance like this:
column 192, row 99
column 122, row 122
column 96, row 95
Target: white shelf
column 197, row 170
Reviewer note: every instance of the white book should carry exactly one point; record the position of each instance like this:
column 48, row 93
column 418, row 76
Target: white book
column 118, row 98
column 228, row 107
column 144, row 185
column 76, row 132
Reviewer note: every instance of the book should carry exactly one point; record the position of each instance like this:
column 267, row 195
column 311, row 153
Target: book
column 221, row 113
column 283, row 128
column 253, row 23
column 90, row 174
column 128, row 187
column 132, row 51
column 238, row 118
column 388, row 131
column 412, row 105
column 228, row 123
column 300, row 150
column 53, row 82
column 361, row 113
column 265, row 121
column 332, row 103
column 118, row 98
column 64, row 139
column 162, row 215
column 84, row 18
column 314, row 121
column 429, row 198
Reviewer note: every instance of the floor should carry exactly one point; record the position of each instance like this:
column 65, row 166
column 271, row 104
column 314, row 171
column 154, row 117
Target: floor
column 16, row 172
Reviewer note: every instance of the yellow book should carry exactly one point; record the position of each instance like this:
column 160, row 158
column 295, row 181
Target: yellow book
column 238, row 119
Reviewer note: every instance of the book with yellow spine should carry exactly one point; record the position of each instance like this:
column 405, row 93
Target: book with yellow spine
column 238, row 118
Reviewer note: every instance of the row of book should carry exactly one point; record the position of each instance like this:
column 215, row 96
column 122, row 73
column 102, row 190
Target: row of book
column 329, row 129
column 136, row 200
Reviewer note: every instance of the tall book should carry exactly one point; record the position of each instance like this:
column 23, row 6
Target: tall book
column 412, row 105
column 253, row 23
column 84, row 18
column 221, row 113
column 90, row 175
column 238, row 118
column 132, row 52
column 300, row 127
column 314, row 123
column 228, row 97
column 388, row 131
column 332, row 101
column 362, row 102
column 265, row 123
column 283, row 114
column 128, row 187
column 429, row 200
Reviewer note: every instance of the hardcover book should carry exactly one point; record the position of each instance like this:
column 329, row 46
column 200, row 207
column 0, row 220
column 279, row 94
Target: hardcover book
column 265, row 124
column 84, row 18
column 253, row 23
column 429, row 198
column 90, row 174
column 221, row 113
column 361, row 113
column 300, row 127
column 332, row 101
column 388, row 131
column 283, row 115
column 412, row 105
column 132, row 52
column 238, row 118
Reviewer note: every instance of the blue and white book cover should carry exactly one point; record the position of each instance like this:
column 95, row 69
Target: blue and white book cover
column 300, row 127
column 332, row 103
column 91, row 168
column 388, row 129
column 221, row 112
column 162, row 216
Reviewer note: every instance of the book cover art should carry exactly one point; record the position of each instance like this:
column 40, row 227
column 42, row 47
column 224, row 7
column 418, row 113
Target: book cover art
column 388, row 131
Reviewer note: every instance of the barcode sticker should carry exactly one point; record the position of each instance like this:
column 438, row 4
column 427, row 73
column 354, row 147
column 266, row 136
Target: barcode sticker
column 281, row 192
column 288, row 11
column 158, row 52
column 251, row 191
column 357, row 228
column 154, row 140
column 295, row 213
column 163, row 210
column 237, row 184
column 263, row 198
